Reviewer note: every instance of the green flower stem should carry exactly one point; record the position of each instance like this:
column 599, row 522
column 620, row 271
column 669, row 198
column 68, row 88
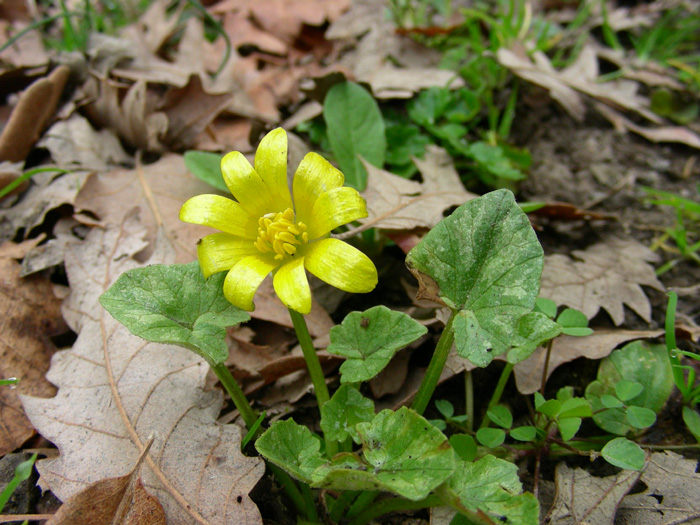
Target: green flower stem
column 237, row 396
column 393, row 505
column 469, row 398
column 310, row 503
column 250, row 417
column 315, row 370
column 437, row 363
column 338, row 507
column 670, row 326
column 498, row 392
column 364, row 500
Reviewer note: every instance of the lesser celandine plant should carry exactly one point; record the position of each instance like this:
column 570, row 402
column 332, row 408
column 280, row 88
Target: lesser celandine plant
column 482, row 263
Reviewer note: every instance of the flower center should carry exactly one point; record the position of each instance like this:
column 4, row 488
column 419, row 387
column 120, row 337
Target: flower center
column 279, row 234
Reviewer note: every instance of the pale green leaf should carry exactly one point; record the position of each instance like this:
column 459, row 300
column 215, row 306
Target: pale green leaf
column 491, row 485
column 402, row 453
column 174, row 304
column 636, row 362
column 370, row 339
column 343, row 412
column 291, row 447
column 624, row 453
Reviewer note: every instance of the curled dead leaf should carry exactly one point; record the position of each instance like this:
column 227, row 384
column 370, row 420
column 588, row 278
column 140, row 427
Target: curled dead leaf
column 31, row 115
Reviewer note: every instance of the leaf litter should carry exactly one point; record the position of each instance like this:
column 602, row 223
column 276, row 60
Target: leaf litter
column 157, row 102
column 114, row 393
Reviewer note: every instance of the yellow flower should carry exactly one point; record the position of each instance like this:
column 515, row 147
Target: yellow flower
column 268, row 231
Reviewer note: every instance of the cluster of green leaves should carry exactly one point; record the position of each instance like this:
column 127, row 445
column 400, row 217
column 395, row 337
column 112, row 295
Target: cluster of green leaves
column 445, row 117
column 484, row 263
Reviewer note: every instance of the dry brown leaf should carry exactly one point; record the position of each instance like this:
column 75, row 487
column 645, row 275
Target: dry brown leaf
column 31, row 115
column 159, row 190
column 122, row 500
column 26, row 52
column 581, row 76
column 148, row 66
column 30, row 315
column 583, row 498
column 671, row 495
column 395, row 203
column 116, row 390
column 9, row 172
column 607, row 275
column 74, row 142
column 679, row 134
column 133, row 118
column 190, row 110
column 566, row 348
column 47, row 192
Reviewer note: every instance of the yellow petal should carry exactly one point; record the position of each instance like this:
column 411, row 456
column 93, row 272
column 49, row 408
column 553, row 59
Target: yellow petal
column 340, row 265
column 243, row 280
column 220, row 251
column 314, row 176
column 292, row 286
column 220, row 213
column 334, row 208
column 271, row 165
column 246, row 185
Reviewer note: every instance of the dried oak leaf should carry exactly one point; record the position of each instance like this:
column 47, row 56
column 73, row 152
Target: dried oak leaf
column 580, row 77
column 395, row 203
column 158, row 190
column 74, row 142
column 132, row 117
column 606, row 275
column 123, row 500
column 671, row 495
column 116, row 390
column 47, row 192
column 29, row 315
column 583, row 498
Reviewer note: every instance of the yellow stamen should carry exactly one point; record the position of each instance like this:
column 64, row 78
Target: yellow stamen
column 278, row 233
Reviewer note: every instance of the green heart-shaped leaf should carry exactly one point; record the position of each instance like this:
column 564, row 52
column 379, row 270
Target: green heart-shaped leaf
column 484, row 261
column 174, row 304
column 370, row 339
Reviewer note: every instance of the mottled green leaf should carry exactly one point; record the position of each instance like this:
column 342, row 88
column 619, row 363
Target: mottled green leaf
column 174, row 304
column 534, row 329
column 402, row 453
column 484, row 261
column 345, row 409
column 491, row 485
column 291, row 447
column 370, row 339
